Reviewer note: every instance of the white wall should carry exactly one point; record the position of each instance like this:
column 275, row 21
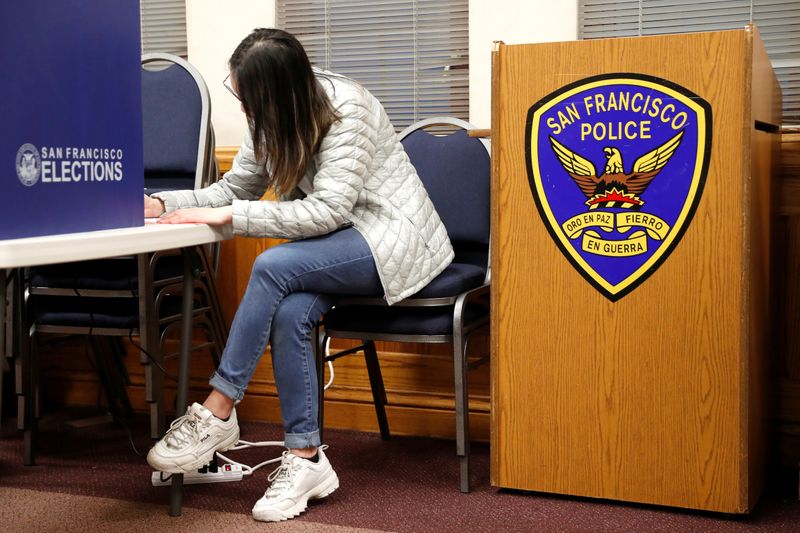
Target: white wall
column 215, row 27
column 513, row 22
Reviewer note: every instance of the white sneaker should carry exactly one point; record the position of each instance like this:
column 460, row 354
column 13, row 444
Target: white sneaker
column 295, row 482
column 192, row 439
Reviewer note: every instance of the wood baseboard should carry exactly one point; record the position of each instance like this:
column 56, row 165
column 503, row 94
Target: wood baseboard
column 419, row 389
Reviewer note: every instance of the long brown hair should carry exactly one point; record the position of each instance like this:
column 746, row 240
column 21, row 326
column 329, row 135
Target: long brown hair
column 287, row 110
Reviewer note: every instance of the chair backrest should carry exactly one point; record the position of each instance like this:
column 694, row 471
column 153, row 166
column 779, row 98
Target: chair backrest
column 455, row 170
column 176, row 121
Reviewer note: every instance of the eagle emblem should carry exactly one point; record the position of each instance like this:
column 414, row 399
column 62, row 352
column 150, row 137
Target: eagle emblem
column 617, row 164
column 615, row 188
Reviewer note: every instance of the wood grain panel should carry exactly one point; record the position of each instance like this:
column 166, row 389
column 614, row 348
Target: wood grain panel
column 642, row 399
column 761, row 222
column 786, row 409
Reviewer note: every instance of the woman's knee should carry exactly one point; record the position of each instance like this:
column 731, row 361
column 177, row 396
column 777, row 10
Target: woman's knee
column 273, row 263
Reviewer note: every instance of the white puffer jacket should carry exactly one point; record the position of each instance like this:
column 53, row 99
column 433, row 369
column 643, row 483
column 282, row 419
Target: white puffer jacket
column 361, row 176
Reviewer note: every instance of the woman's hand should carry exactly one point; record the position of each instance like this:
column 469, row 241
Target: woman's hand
column 153, row 207
column 214, row 216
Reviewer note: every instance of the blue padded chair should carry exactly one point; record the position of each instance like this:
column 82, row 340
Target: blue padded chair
column 455, row 170
column 114, row 297
column 176, row 112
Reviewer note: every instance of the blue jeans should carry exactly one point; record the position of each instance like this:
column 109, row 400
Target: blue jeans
column 292, row 285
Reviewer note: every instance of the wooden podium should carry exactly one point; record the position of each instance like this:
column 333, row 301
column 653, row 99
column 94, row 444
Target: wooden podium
column 617, row 374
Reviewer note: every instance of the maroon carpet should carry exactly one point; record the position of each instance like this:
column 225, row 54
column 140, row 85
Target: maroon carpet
column 406, row 484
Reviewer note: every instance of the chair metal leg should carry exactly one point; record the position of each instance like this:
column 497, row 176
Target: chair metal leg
column 3, row 363
column 31, row 404
column 10, row 349
column 215, row 322
column 214, row 340
column 378, row 390
column 319, row 357
column 35, row 373
column 20, row 375
column 190, row 261
column 462, row 406
column 216, row 308
column 149, row 339
column 26, row 374
column 2, row 379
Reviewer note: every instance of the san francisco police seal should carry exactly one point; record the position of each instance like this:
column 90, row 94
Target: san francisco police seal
column 617, row 164
column 29, row 164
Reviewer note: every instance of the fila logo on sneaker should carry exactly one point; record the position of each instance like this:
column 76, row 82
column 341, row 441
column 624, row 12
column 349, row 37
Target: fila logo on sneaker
column 192, row 440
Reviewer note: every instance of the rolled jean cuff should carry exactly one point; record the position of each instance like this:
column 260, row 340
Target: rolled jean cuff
column 226, row 387
column 301, row 440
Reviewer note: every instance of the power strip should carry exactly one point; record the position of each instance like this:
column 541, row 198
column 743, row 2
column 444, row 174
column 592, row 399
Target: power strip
column 224, row 473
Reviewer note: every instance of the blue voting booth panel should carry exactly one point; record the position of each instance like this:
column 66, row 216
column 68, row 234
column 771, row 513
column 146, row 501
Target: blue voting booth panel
column 71, row 133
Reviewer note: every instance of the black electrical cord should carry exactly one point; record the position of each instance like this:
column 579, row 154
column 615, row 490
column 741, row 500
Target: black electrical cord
column 150, row 357
column 135, row 294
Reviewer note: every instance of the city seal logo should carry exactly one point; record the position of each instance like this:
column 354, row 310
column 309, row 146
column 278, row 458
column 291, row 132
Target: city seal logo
column 617, row 164
column 29, row 164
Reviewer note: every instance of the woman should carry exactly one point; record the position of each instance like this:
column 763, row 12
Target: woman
column 361, row 223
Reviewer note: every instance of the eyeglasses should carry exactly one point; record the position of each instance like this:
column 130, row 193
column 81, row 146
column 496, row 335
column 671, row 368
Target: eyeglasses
column 227, row 86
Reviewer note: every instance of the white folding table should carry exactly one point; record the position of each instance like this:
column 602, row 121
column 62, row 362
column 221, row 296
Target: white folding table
column 151, row 237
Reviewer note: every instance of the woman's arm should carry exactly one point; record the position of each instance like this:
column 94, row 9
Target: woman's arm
column 244, row 181
column 153, row 207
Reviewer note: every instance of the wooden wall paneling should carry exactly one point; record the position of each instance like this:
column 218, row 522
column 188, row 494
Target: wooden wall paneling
column 419, row 389
column 786, row 413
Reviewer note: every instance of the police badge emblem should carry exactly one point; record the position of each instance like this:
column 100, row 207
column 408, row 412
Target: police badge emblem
column 616, row 165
